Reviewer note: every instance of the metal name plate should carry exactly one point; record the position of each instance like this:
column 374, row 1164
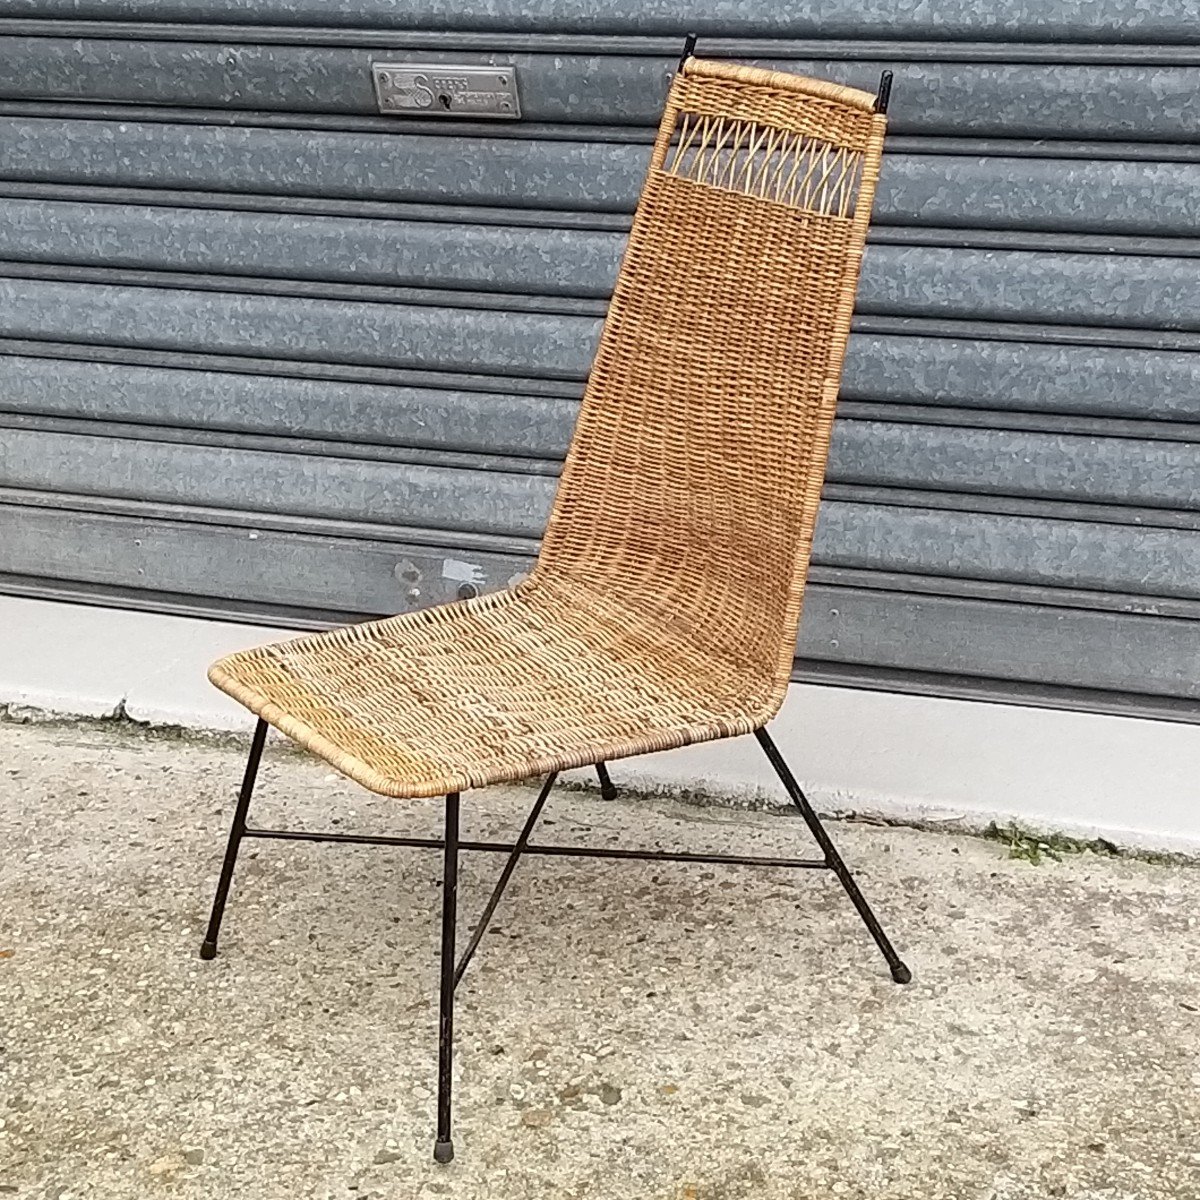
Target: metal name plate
column 445, row 90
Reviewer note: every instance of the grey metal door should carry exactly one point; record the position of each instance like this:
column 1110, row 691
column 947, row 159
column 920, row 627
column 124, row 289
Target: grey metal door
column 268, row 354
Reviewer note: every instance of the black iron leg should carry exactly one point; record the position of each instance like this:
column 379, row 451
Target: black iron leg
column 608, row 790
column 510, row 866
column 900, row 973
column 443, row 1151
column 208, row 948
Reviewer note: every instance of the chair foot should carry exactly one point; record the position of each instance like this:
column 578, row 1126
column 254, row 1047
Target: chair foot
column 901, row 974
column 208, row 950
column 443, row 1152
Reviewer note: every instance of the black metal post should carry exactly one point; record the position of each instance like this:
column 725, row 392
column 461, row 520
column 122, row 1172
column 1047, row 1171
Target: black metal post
column 208, row 948
column 884, row 96
column 689, row 48
column 608, row 790
column 505, row 875
column 900, row 973
column 443, row 1151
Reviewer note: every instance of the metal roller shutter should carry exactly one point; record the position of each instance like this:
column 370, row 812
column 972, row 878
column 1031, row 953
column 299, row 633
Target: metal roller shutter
column 267, row 354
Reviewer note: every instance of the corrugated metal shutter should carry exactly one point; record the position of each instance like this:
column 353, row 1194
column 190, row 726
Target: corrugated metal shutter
column 267, row 354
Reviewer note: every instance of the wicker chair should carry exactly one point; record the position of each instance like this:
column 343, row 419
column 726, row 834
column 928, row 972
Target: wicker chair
column 664, row 604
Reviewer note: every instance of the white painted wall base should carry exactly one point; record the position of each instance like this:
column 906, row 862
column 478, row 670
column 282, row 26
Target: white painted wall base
column 1133, row 781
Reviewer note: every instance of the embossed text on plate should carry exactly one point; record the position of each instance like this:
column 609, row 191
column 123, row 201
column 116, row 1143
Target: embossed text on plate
column 445, row 90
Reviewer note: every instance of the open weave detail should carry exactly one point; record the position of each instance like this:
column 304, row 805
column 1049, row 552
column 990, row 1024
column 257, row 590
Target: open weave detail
column 664, row 604
column 772, row 164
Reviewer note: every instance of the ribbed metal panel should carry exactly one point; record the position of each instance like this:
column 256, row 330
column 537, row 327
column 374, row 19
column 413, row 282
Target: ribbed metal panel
column 265, row 353
column 992, row 285
column 1031, row 20
column 969, row 191
column 859, row 628
column 1056, row 100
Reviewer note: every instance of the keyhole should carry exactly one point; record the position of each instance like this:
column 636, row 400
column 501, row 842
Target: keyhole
column 444, row 100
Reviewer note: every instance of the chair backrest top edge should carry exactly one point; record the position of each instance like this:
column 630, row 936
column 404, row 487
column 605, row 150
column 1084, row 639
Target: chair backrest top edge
column 708, row 68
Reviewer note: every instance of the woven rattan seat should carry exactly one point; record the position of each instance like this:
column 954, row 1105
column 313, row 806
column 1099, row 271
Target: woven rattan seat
column 530, row 681
column 664, row 604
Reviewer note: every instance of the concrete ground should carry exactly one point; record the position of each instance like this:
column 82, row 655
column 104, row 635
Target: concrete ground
column 629, row 1030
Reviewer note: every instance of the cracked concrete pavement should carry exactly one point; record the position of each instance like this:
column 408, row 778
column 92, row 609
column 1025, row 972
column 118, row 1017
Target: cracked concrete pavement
column 628, row 1029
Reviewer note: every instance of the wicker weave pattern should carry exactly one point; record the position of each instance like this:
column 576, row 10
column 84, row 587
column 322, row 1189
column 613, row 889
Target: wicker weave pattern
column 664, row 605
column 744, row 94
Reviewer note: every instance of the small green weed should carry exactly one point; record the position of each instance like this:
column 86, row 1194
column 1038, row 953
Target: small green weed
column 1033, row 847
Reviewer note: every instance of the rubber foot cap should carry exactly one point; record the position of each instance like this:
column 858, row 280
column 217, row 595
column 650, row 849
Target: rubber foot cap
column 208, row 950
column 901, row 974
column 608, row 793
column 443, row 1152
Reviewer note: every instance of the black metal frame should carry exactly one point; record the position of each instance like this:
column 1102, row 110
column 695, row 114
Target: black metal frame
column 452, row 967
